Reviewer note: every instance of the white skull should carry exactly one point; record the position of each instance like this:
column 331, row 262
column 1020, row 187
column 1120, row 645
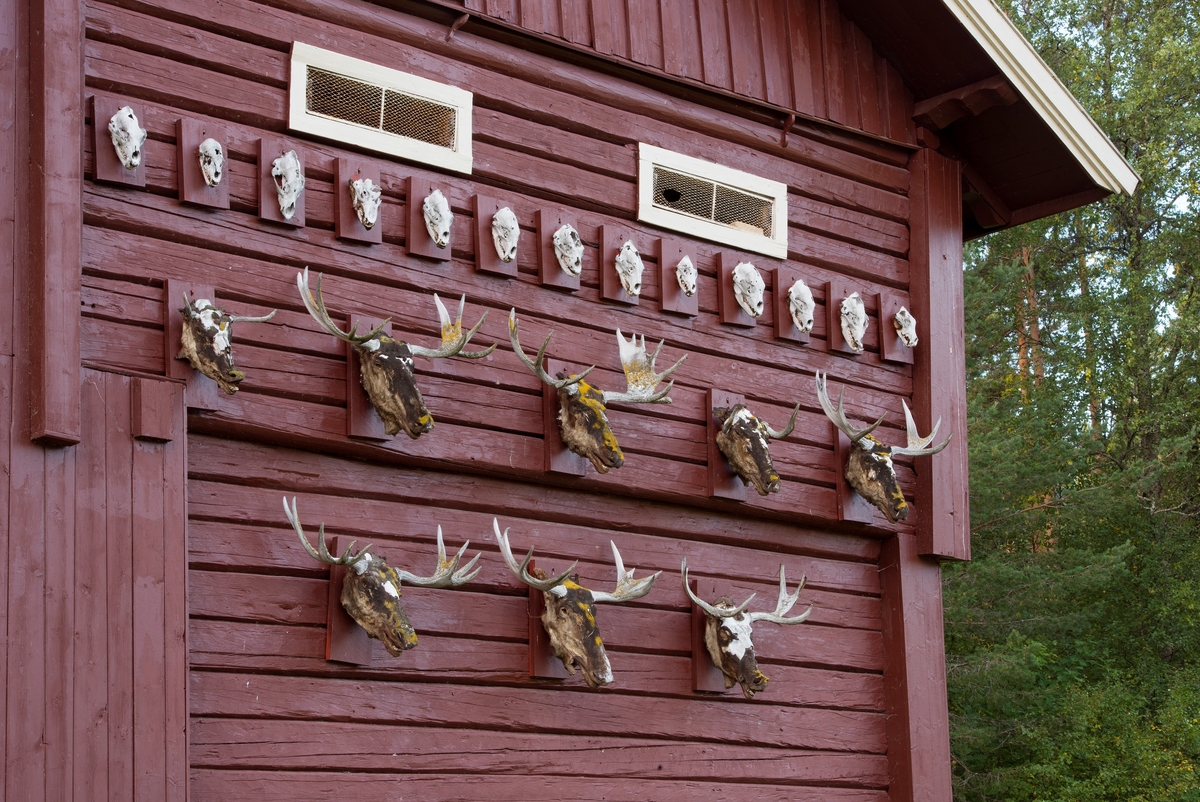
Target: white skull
column 505, row 234
column 685, row 274
column 629, row 268
column 438, row 218
column 568, row 249
column 289, row 182
column 127, row 137
column 367, row 198
column 906, row 327
column 801, row 305
column 854, row 321
column 212, row 161
column 748, row 288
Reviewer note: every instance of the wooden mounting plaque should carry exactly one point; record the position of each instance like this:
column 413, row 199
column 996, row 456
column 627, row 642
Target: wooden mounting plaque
column 851, row 506
column 611, row 240
column 345, row 640
column 837, row 291
column 552, row 275
column 673, row 298
column 270, row 149
column 201, row 392
column 108, row 167
column 727, row 304
column 722, row 481
column 419, row 242
column 154, row 402
column 192, row 187
column 347, row 226
column 557, row 458
column 706, row 677
column 785, row 328
column 543, row 663
column 486, row 258
column 891, row 347
column 362, row 421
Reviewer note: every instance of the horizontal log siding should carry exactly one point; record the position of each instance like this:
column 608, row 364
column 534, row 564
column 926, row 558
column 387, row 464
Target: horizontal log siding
column 460, row 711
column 461, row 704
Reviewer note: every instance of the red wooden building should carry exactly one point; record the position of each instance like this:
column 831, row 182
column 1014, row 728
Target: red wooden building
column 165, row 630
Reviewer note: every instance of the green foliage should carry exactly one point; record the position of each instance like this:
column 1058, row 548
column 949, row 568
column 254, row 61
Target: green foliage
column 1073, row 639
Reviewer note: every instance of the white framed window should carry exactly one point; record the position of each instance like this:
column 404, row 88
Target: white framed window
column 712, row 201
column 354, row 101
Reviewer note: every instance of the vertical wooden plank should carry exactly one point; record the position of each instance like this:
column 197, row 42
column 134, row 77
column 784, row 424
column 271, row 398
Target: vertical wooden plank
column 645, row 32
column 706, row 677
column 576, row 21
column 939, row 374
column 745, row 47
column 714, row 43
column 119, row 527
column 914, row 675
column 6, row 465
column 345, row 640
column 556, row 457
column 91, row 608
column 175, row 659
column 801, row 55
column 417, row 239
column 533, row 16
column 850, row 94
column 12, row 107
column 689, row 32
column 55, row 216
column 149, row 625
column 775, row 33
column 868, row 88
column 674, row 41
column 610, row 28
column 60, row 620
column 502, row 9
column 815, row 30
column 721, row 480
column 347, row 225
column 831, row 54
column 362, row 421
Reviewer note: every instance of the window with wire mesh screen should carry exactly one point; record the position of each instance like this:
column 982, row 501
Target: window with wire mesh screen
column 361, row 103
column 709, row 200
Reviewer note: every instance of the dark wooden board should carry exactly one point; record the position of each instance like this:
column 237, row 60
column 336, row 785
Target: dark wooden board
column 487, row 260
column 269, row 149
column 362, row 421
column 722, row 480
column 347, row 226
column 189, row 134
column 202, row 392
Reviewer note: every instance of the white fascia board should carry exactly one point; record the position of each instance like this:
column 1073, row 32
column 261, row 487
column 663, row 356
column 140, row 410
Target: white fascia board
column 1053, row 102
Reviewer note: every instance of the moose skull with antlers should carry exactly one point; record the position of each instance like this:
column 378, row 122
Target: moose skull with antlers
column 387, row 364
column 870, row 470
column 371, row 589
column 206, row 341
column 727, row 632
column 570, row 613
column 744, row 439
column 582, row 421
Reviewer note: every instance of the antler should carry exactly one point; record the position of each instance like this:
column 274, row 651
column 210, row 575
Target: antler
column 713, row 610
column 321, row 553
column 839, row 417
column 627, row 588
column 522, row 571
column 244, row 319
column 448, row 574
column 918, row 445
column 786, row 429
column 536, row 365
column 786, row 602
column 640, row 378
column 316, row 307
column 453, row 339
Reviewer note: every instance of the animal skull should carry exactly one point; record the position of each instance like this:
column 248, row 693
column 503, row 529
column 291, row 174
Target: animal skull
column 801, row 305
column 906, row 327
column 728, row 632
column 212, row 161
column 582, row 422
column 386, row 364
column 745, row 442
column 748, row 288
column 438, row 218
column 570, row 611
column 367, row 198
column 854, row 321
column 206, row 343
column 685, row 274
column 371, row 588
column 629, row 268
column 870, row 470
column 568, row 250
column 505, row 234
column 288, row 173
column 127, row 137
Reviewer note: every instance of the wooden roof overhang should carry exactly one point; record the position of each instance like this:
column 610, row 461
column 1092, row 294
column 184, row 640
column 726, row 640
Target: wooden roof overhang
column 988, row 99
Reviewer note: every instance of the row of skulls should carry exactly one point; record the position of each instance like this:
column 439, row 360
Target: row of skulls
column 371, row 593
column 386, row 373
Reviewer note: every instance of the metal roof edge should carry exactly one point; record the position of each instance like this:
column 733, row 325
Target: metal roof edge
column 1050, row 98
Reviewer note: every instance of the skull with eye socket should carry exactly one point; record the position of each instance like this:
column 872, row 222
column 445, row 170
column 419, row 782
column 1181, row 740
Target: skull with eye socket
column 629, row 268
column 748, row 288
